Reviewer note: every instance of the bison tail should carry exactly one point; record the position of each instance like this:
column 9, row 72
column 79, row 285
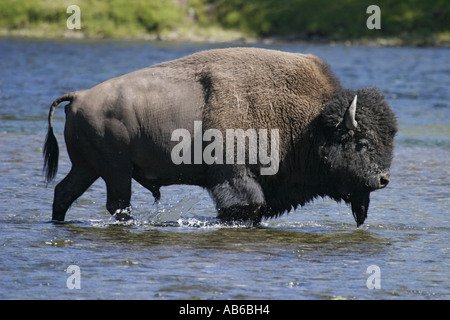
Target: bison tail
column 51, row 150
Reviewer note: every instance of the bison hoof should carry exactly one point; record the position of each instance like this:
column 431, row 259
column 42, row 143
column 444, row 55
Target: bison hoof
column 239, row 223
column 123, row 214
column 244, row 215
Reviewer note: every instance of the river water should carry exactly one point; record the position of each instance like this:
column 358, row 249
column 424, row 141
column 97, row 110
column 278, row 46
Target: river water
column 176, row 249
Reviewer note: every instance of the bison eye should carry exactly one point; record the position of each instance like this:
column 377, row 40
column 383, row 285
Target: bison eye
column 362, row 144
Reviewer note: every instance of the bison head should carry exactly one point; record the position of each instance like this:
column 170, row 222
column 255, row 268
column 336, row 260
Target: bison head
column 356, row 148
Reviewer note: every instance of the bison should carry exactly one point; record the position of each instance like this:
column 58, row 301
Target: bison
column 332, row 141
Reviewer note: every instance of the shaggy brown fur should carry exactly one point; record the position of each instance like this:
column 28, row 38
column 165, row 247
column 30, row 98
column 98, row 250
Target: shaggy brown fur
column 257, row 88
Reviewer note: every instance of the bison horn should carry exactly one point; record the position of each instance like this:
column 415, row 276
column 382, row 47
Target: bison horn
column 349, row 117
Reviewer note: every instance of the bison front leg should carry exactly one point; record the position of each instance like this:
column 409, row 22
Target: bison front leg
column 248, row 214
column 239, row 197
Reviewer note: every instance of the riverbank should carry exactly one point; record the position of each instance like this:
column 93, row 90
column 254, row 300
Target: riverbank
column 217, row 35
column 409, row 23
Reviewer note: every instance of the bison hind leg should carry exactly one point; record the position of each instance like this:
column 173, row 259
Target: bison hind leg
column 118, row 188
column 77, row 181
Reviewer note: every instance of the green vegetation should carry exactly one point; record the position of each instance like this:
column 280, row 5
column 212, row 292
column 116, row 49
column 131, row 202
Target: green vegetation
column 407, row 21
column 337, row 20
column 113, row 18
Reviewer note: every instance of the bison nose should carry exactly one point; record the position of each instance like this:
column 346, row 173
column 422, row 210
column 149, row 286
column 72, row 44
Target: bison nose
column 384, row 179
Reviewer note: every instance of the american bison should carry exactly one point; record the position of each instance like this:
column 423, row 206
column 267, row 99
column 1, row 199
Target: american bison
column 325, row 140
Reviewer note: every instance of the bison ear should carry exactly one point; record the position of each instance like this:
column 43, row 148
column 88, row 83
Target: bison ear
column 349, row 118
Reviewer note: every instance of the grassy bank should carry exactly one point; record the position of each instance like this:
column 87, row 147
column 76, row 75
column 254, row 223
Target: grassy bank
column 419, row 22
column 407, row 20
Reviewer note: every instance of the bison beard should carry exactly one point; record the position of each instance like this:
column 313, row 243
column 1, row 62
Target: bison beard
column 360, row 206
